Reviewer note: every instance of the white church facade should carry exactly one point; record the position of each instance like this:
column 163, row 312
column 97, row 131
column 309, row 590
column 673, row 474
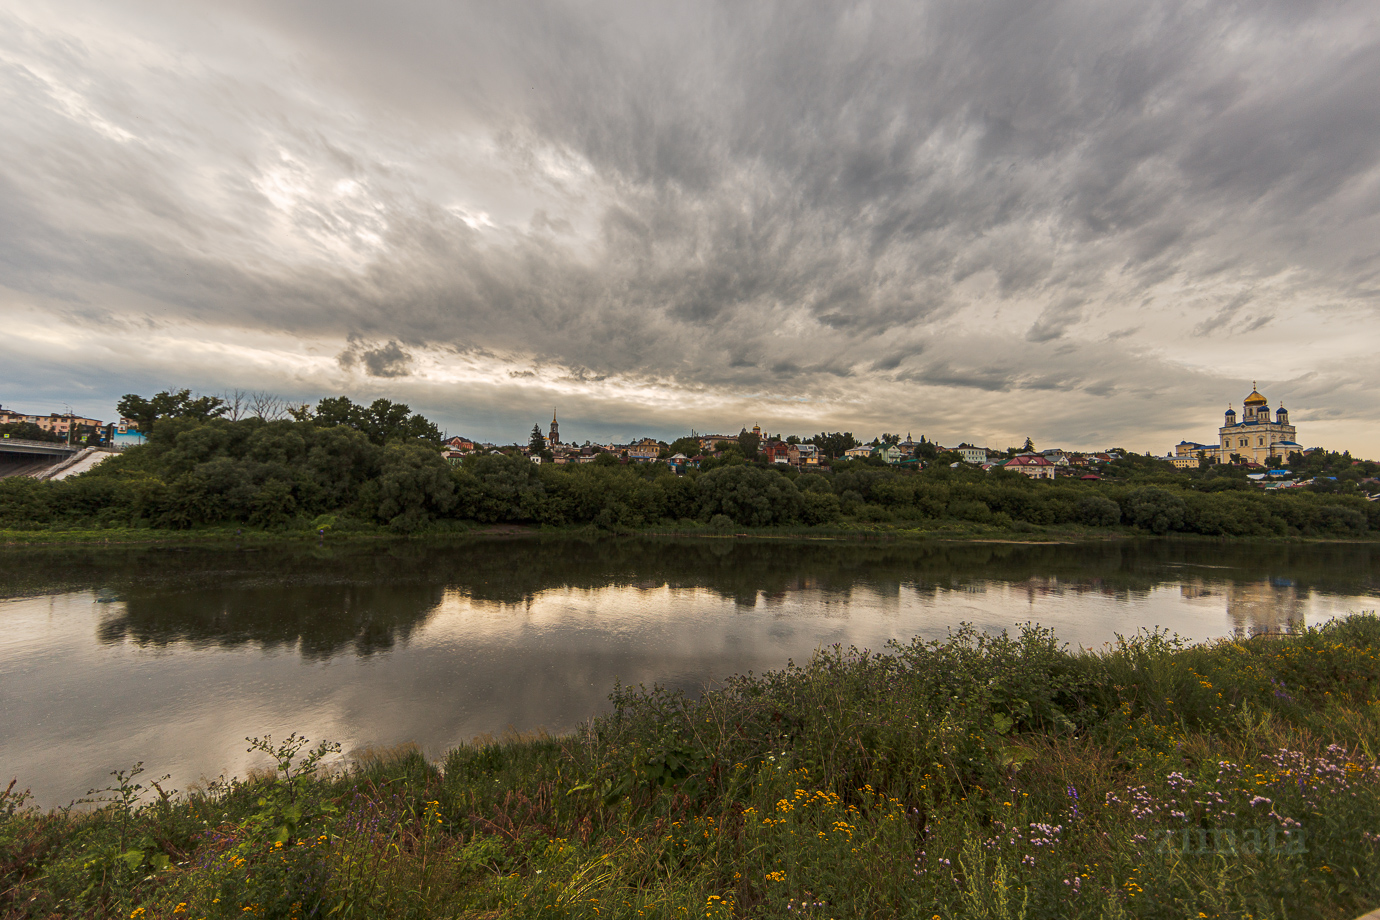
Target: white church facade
column 1256, row 437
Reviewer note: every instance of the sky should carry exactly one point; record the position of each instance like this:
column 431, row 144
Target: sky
column 1093, row 224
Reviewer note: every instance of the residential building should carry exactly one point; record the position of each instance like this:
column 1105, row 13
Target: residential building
column 1185, row 451
column 53, row 423
column 646, row 449
column 1033, row 465
column 971, row 454
column 709, row 442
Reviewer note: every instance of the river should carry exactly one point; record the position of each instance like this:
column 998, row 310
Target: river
column 172, row 655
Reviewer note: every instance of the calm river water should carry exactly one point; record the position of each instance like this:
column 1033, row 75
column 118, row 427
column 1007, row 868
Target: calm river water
column 172, row 656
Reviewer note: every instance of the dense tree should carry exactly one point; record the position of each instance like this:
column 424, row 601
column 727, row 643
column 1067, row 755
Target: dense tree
column 537, row 444
column 688, row 446
column 750, row 496
column 835, row 444
column 414, row 486
column 28, row 431
column 180, row 404
column 382, row 420
column 1098, row 511
column 1156, row 510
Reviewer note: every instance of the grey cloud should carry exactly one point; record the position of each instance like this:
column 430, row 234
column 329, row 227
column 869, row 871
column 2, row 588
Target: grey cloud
column 387, row 360
column 774, row 194
column 1055, row 320
column 1224, row 315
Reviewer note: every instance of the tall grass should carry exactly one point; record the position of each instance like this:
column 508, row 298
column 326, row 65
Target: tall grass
column 991, row 776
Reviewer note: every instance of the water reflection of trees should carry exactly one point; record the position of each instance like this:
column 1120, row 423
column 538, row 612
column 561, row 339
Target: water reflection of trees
column 320, row 620
column 369, row 596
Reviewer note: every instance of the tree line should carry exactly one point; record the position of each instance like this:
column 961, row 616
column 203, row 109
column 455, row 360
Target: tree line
column 341, row 464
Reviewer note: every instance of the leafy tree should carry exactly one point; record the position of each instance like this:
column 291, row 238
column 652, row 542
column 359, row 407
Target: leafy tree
column 748, row 444
column 750, row 496
column 835, row 444
column 28, row 431
column 888, row 439
column 414, row 486
column 181, row 404
column 688, row 446
column 491, row 489
column 820, row 507
column 382, row 420
column 1098, row 511
column 1154, row 509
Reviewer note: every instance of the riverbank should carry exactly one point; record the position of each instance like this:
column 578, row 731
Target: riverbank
column 978, row 777
column 950, row 531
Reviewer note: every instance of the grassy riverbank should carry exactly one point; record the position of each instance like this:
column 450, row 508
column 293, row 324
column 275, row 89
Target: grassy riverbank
column 980, row 777
column 941, row 530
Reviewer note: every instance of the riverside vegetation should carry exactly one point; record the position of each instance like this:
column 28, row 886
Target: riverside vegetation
column 352, row 468
column 981, row 776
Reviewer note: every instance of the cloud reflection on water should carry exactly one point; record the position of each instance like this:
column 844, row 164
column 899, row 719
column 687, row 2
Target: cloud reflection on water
column 173, row 657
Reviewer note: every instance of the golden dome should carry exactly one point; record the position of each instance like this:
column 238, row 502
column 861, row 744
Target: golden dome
column 1255, row 399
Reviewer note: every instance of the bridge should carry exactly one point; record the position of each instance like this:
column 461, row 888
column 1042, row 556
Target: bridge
column 20, row 457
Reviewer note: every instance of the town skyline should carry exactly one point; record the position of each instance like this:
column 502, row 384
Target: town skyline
column 280, row 406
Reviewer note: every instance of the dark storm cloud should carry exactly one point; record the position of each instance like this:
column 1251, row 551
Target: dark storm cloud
column 387, row 360
column 722, row 195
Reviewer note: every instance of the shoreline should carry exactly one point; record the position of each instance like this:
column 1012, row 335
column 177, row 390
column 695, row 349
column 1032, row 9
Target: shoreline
column 859, row 534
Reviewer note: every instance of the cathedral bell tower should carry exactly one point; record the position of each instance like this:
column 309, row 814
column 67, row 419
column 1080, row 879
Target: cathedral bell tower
column 555, row 436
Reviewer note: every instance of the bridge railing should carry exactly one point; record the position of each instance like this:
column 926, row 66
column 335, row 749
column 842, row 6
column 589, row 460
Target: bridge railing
column 42, row 445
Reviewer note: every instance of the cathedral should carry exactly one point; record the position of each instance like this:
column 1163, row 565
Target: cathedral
column 1254, row 438
column 555, row 437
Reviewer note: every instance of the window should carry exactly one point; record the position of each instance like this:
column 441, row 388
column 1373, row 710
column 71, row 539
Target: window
column 1262, row 442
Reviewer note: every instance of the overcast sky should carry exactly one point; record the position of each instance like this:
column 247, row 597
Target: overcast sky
column 1090, row 223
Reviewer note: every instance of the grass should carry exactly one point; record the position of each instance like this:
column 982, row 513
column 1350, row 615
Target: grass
column 984, row 776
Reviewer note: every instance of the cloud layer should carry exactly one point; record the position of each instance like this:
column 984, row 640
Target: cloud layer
column 1092, row 223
